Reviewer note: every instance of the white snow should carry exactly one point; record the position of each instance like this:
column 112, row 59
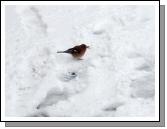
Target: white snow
column 115, row 77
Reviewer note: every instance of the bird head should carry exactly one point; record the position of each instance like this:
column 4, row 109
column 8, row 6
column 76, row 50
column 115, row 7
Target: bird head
column 84, row 46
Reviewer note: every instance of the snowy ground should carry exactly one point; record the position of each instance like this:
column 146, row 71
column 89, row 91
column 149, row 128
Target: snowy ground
column 115, row 77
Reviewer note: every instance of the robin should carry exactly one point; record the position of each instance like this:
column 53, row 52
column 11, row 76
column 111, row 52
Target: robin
column 77, row 52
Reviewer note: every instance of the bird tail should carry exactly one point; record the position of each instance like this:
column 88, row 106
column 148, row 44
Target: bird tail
column 60, row 51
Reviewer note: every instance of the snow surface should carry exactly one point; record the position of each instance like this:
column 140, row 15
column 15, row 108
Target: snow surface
column 115, row 77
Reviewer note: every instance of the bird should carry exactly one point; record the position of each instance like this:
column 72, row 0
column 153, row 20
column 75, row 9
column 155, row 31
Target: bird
column 77, row 51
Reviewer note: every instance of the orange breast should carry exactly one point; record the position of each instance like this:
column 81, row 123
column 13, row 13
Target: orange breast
column 80, row 53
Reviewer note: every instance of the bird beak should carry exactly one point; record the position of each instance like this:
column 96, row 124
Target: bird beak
column 87, row 46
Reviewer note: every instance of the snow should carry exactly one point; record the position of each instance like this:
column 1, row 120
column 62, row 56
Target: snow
column 115, row 78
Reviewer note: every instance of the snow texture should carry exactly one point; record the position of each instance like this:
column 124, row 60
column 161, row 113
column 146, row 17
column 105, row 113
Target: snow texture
column 115, row 78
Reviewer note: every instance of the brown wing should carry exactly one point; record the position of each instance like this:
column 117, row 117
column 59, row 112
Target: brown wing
column 78, row 51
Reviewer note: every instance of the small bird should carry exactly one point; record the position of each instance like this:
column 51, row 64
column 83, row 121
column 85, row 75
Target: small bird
column 77, row 52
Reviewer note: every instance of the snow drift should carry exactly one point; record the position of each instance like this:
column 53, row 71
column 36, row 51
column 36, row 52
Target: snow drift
column 115, row 77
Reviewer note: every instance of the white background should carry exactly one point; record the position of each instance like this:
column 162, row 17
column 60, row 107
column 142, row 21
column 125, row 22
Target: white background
column 163, row 2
